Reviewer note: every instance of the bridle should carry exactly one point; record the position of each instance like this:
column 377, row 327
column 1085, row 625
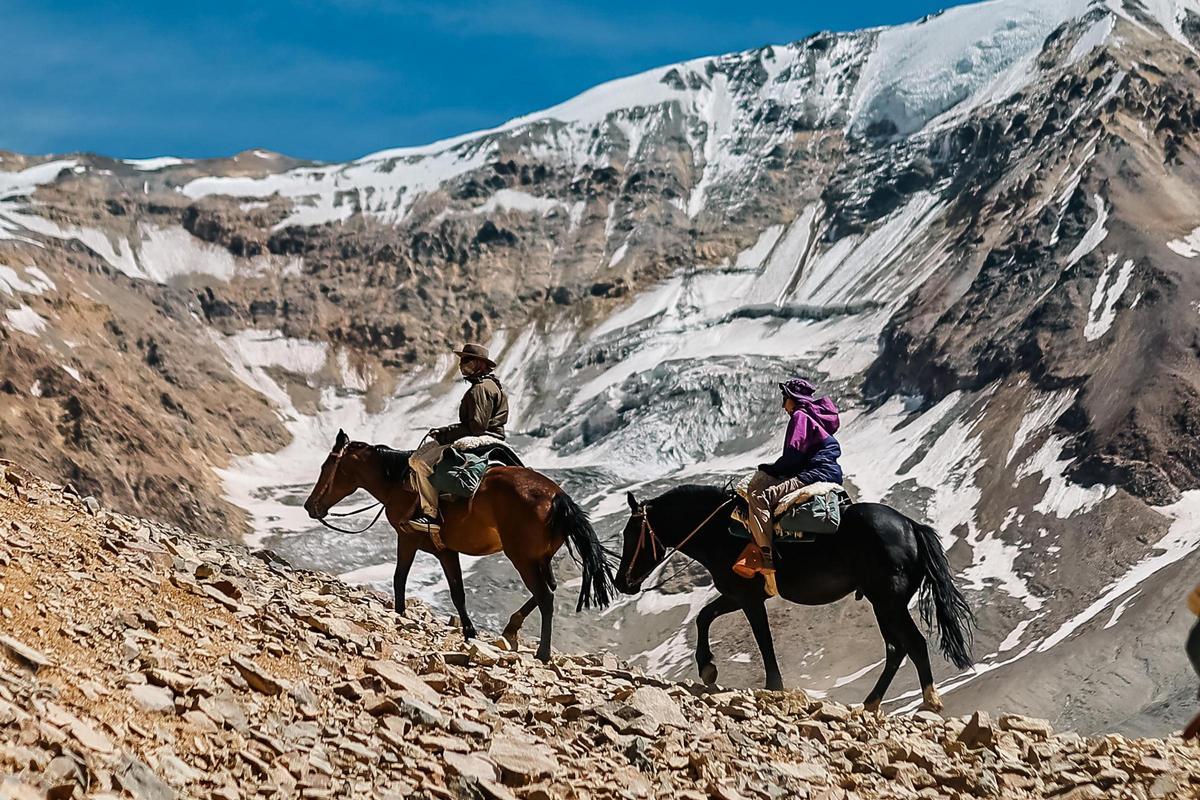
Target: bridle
column 646, row 534
column 337, row 462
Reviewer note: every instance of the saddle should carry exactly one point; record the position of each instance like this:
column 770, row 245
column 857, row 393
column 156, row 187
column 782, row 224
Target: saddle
column 800, row 516
column 462, row 466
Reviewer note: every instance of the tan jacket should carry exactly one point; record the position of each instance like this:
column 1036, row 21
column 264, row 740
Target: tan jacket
column 483, row 410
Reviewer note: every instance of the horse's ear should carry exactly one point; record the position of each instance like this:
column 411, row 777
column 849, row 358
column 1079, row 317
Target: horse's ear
column 634, row 505
column 342, row 440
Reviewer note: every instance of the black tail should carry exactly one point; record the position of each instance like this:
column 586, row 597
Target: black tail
column 571, row 522
column 941, row 598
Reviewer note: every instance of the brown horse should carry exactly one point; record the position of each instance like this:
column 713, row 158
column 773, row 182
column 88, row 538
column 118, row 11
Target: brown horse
column 515, row 510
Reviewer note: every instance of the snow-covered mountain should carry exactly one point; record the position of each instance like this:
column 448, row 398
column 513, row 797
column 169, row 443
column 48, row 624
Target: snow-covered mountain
column 978, row 231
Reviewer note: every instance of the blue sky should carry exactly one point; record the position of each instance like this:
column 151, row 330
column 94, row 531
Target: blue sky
column 336, row 79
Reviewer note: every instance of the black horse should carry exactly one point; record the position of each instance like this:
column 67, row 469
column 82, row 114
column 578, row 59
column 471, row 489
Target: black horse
column 878, row 553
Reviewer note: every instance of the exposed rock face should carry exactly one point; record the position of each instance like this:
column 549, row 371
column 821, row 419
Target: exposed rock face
column 978, row 232
column 269, row 697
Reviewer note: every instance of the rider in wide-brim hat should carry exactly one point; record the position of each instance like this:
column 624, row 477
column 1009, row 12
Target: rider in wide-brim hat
column 482, row 415
column 476, row 352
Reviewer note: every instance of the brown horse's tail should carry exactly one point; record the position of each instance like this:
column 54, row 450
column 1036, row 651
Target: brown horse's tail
column 571, row 522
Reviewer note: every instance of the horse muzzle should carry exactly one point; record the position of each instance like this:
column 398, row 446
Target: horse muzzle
column 314, row 512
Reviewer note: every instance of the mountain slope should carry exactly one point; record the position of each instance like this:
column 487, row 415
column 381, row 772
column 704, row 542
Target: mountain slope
column 166, row 665
column 977, row 231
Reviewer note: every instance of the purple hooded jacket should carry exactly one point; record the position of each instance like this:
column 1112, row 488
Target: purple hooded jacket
column 809, row 450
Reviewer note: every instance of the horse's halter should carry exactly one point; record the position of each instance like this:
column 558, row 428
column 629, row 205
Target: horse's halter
column 647, row 530
column 337, row 462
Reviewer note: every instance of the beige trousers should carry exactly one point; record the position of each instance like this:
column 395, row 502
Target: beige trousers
column 763, row 494
column 421, row 464
column 423, row 461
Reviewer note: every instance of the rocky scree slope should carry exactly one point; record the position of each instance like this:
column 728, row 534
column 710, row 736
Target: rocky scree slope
column 142, row 661
column 977, row 230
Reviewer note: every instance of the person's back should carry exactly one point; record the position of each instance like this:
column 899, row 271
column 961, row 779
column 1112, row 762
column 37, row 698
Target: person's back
column 482, row 412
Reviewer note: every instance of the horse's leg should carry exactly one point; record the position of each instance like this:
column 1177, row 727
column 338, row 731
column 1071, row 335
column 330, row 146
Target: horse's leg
column 721, row 604
column 915, row 646
column 545, row 601
column 406, row 551
column 538, row 578
column 894, row 657
column 453, row 570
column 513, row 628
column 756, row 613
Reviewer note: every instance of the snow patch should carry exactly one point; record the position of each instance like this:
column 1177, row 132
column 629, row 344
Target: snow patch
column 18, row 184
column 1093, row 37
column 1188, row 246
column 619, row 255
column 167, row 253
column 1103, row 311
column 877, row 268
column 513, row 200
column 994, row 560
column 785, row 259
column 1120, row 610
column 756, row 254
column 25, row 319
column 1094, row 235
column 30, row 280
column 154, row 164
column 1044, row 409
column 1014, row 636
column 1063, row 498
column 947, row 61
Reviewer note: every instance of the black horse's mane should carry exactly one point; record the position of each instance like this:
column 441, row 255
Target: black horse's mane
column 695, row 491
column 394, row 462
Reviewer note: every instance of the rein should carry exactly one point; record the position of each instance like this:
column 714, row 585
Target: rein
column 378, row 514
column 656, row 543
column 333, row 527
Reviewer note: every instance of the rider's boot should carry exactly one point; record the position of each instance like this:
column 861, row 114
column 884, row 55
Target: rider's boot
column 429, row 525
column 768, row 561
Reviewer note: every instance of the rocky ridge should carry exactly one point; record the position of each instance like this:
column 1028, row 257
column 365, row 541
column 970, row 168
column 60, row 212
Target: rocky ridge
column 139, row 660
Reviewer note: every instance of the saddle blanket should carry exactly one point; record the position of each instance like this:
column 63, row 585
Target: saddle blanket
column 461, row 468
column 790, row 501
column 812, row 509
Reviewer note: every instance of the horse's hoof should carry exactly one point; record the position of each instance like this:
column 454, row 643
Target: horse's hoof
column 542, row 657
column 872, row 706
column 513, row 641
column 708, row 673
column 932, row 702
column 469, row 634
column 775, row 686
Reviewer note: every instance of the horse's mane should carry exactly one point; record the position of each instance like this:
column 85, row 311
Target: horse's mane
column 691, row 492
column 394, row 462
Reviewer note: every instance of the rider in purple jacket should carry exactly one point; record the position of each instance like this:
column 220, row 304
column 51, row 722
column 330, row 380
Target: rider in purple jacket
column 810, row 455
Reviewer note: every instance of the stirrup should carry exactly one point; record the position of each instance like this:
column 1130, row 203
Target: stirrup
column 430, row 527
